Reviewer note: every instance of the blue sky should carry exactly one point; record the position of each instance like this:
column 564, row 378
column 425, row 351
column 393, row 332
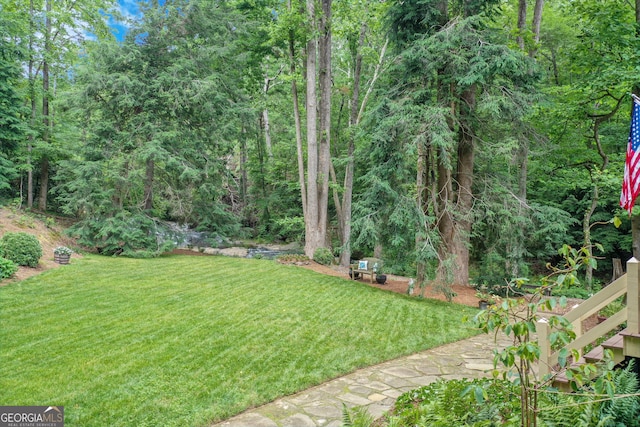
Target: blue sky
column 129, row 10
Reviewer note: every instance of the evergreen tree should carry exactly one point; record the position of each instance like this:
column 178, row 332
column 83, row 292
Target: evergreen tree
column 12, row 112
column 161, row 110
column 456, row 78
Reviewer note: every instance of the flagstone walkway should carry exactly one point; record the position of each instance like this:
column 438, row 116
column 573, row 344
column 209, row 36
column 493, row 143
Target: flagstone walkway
column 375, row 388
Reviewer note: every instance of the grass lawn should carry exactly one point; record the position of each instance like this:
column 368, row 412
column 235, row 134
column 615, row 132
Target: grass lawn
column 188, row 340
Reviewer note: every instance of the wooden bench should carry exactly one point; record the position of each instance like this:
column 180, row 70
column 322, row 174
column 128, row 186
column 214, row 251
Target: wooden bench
column 365, row 266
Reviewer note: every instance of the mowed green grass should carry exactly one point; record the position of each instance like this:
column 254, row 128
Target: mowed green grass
column 189, row 340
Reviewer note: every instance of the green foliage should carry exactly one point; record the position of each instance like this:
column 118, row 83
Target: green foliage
column 159, row 112
column 494, row 402
column 517, row 319
column 323, row 256
column 593, row 405
column 62, row 250
column 289, row 229
column 12, row 109
column 492, row 273
column 7, row 268
column 132, row 235
column 572, row 292
column 464, row 402
column 356, row 417
column 21, row 248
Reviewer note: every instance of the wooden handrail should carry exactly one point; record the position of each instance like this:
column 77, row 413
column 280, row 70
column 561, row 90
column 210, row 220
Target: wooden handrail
column 627, row 284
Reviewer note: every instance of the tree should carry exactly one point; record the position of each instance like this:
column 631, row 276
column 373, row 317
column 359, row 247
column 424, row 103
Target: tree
column 356, row 25
column 12, row 113
column 51, row 34
column 161, row 110
column 454, row 73
column 318, row 60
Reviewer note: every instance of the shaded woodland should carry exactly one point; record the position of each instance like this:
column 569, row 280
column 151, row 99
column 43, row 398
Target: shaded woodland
column 460, row 141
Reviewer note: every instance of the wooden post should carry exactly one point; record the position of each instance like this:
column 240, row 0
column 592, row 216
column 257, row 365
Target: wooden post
column 542, row 328
column 633, row 296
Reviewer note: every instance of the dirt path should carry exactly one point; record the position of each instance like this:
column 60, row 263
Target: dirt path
column 464, row 294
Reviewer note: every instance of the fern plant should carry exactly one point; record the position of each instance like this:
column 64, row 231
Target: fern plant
column 611, row 400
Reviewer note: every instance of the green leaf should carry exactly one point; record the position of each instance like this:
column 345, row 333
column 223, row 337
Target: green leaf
column 616, row 221
column 562, row 357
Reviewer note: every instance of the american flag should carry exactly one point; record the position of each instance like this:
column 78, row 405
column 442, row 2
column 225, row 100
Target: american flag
column 631, row 180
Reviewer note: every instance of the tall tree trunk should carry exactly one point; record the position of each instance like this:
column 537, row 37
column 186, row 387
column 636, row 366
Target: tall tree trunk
column 344, row 217
column 30, row 140
column 466, row 160
column 311, row 219
column 44, row 164
column 522, row 23
column 325, row 122
column 32, row 95
column 635, row 233
column 535, row 27
column 445, row 218
column 455, row 227
column 244, row 179
column 148, row 185
column 265, row 113
column 319, row 156
column 586, row 231
column 422, row 198
column 298, row 122
column 267, row 132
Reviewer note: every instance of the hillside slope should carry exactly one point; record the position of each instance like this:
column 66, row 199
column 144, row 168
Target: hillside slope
column 49, row 235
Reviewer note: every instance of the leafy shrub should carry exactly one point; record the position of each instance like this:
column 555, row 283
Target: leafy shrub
column 492, row 273
column 464, row 402
column 491, row 402
column 289, row 229
column 572, row 292
column 323, row 256
column 593, row 405
column 127, row 234
column 21, row 248
column 7, row 268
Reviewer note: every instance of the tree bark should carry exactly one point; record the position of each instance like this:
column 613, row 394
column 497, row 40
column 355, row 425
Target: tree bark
column 44, row 164
column 535, row 27
column 344, row 210
column 635, row 233
column 522, row 23
column 466, row 160
column 267, row 132
column 32, row 94
column 455, row 226
column 265, row 114
column 148, row 185
column 311, row 219
column 618, row 271
column 298, row 123
column 325, row 122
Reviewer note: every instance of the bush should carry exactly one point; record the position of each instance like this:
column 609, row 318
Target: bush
column 126, row 234
column 7, row 268
column 323, row 256
column 457, row 403
column 21, row 248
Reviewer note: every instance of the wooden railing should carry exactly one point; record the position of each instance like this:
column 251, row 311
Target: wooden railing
column 627, row 284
